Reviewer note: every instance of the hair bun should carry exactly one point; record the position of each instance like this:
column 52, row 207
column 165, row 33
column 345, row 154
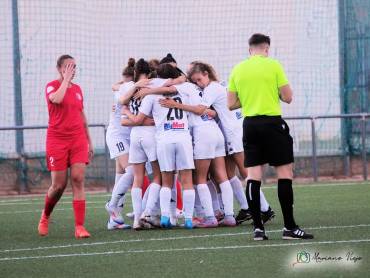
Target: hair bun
column 131, row 62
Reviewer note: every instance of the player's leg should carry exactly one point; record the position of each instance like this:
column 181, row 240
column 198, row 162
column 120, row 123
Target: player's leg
column 186, row 180
column 55, row 192
column 165, row 198
column 218, row 171
column 79, row 203
column 201, row 174
column 136, row 193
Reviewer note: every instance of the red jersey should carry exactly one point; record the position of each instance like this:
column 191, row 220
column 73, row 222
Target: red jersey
column 65, row 119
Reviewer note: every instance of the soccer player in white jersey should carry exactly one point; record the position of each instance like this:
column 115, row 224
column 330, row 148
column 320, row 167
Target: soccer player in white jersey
column 209, row 146
column 174, row 147
column 117, row 139
column 215, row 95
column 143, row 149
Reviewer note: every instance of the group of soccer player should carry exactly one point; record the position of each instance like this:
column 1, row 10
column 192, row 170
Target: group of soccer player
column 171, row 132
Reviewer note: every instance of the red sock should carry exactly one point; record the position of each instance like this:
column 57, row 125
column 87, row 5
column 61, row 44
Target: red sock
column 79, row 211
column 49, row 205
column 146, row 183
column 179, row 196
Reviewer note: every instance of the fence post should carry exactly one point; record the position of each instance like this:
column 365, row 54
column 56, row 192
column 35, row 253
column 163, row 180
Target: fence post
column 18, row 113
column 363, row 143
column 106, row 161
column 314, row 155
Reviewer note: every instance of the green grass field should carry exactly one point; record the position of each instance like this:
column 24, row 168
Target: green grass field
column 337, row 214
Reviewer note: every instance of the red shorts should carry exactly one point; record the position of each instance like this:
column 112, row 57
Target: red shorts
column 62, row 153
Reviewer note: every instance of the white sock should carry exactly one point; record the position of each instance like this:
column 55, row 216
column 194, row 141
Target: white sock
column 117, row 177
column 214, row 196
column 136, row 196
column 165, row 200
column 173, row 203
column 121, row 204
column 227, row 198
column 198, row 209
column 145, row 198
column 239, row 194
column 189, row 199
column 120, row 189
column 264, row 205
column 205, row 199
column 153, row 196
column 220, row 201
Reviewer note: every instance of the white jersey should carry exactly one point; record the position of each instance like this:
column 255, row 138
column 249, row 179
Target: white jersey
column 167, row 120
column 194, row 97
column 215, row 95
column 135, row 105
column 115, row 117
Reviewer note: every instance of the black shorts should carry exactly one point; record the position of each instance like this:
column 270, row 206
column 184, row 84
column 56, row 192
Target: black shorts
column 266, row 139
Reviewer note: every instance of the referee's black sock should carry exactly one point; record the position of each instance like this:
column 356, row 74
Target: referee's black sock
column 285, row 193
column 253, row 197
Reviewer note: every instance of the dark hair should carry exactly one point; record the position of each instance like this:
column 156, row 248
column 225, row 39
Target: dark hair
column 167, row 71
column 203, row 68
column 129, row 69
column 168, row 59
column 153, row 63
column 257, row 39
column 141, row 67
column 62, row 58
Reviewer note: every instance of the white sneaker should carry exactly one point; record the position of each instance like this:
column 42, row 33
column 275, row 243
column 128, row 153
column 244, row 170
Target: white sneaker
column 116, row 216
column 113, row 225
column 137, row 226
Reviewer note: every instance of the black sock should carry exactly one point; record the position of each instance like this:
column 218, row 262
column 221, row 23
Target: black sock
column 285, row 193
column 253, row 197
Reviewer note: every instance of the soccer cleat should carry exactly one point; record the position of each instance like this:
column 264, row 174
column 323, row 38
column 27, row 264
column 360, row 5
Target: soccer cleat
column 43, row 227
column 137, row 226
column 145, row 222
column 188, row 223
column 155, row 221
column 267, row 215
column 208, row 222
column 219, row 216
column 81, row 232
column 243, row 215
column 296, row 233
column 116, row 217
column 113, row 225
column 165, row 222
column 229, row 221
column 260, row 234
column 196, row 221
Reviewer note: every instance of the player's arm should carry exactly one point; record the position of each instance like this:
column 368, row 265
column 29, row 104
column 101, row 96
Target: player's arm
column 171, row 82
column 196, row 109
column 286, row 94
column 211, row 113
column 233, row 101
column 115, row 87
column 86, row 126
column 155, row 91
column 58, row 96
column 127, row 122
column 125, row 98
column 133, row 119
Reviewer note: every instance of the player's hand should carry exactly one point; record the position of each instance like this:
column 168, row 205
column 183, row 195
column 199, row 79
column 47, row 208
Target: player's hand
column 69, row 72
column 167, row 102
column 141, row 93
column 142, row 83
column 148, row 121
column 125, row 110
column 115, row 87
column 91, row 152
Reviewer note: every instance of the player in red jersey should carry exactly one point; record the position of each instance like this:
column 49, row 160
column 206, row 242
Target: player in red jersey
column 68, row 144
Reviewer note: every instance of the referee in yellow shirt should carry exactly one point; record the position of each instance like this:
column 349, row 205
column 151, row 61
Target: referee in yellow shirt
column 257, row 85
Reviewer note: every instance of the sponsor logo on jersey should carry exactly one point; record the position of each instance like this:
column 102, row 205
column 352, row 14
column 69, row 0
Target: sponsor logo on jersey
column 174, row 126
column 205, row 117
column 238, row 115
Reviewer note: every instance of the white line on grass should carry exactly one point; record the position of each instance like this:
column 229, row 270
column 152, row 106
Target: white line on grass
column 201, row 248
column 167, row 239
column 98, row 195
column 61, row 202
column 39, row 210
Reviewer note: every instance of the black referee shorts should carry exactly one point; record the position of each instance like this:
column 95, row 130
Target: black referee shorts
column 266, row 139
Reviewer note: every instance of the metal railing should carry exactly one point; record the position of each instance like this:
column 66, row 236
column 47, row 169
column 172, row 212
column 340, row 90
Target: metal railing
column 362, row 116
column 22, row 155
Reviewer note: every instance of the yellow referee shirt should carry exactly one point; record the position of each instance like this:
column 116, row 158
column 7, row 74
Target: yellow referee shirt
column 257, row 81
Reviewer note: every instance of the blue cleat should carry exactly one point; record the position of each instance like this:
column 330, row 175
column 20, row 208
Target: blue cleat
column 165, row 222
column 188, row 224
